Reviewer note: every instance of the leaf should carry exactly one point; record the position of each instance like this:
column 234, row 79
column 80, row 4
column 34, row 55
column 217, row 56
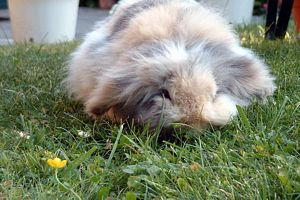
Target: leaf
column 130, row 169
column 141, row 168
column 130, row 196
column 153, row 170
column 124, row 142
column 103, row 193
column 183, row 184
column 135, row 181
column 284, row 179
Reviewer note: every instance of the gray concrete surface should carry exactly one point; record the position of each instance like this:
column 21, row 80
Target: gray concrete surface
column 86, row 19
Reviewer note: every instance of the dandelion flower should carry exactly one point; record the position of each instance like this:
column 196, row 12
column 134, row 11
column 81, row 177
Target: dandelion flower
column 57, row 163
column 259, row 149
column 243, row 39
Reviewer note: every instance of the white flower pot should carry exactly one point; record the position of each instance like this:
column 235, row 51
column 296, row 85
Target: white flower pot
column 236, row 11
column 43, row 21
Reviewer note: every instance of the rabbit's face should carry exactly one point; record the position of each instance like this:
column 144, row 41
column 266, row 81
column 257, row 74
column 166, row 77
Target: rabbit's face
column 189, row 100
column 179, row 96
column 190, row 93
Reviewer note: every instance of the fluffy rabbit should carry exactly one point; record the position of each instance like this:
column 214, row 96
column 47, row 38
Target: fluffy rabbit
column 166, row 61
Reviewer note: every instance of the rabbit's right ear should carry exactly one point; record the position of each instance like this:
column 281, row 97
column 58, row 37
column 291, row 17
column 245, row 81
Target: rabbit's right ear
column 245, row 77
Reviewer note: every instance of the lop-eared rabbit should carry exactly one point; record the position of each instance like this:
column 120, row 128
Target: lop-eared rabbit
column 166, row 61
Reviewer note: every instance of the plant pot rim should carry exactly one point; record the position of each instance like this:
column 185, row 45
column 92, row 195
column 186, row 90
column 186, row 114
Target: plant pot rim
column 296, row 4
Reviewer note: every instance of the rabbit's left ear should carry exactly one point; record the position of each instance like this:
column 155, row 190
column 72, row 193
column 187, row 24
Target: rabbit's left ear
column 101, row 99
column 114, row 90
column 244, row 77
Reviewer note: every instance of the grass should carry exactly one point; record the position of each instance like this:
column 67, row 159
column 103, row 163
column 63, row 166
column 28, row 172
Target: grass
column 257, row 156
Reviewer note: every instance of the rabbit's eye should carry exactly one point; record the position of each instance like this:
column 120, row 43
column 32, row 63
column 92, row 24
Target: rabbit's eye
column 165, row 93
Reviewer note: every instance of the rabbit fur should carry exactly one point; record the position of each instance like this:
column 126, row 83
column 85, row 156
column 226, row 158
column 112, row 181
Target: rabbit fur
column 166, row 61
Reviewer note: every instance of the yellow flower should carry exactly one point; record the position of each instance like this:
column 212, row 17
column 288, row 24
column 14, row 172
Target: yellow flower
column 57, row 163
column 243, row 39
column 259, row 149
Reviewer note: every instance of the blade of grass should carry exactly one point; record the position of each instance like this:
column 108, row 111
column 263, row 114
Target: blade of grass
column 244, row 118
column 114, row 147
column 280, row 111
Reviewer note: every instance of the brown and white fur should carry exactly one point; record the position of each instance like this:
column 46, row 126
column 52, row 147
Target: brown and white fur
column 166, row 61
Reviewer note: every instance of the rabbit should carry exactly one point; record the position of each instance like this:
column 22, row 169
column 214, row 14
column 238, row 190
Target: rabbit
column 161, row 62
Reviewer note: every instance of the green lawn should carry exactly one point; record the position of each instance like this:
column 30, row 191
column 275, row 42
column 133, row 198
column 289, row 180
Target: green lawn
column 257, row 156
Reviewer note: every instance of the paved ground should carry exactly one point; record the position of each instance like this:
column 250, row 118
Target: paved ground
column 86, row 19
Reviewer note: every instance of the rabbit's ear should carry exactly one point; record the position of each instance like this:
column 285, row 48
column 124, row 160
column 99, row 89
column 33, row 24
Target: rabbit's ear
column 102, row 99
column 114, row 90
column 244, row 77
